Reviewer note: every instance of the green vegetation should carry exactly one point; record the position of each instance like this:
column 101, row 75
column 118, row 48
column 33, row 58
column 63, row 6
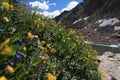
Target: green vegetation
column 34, row 47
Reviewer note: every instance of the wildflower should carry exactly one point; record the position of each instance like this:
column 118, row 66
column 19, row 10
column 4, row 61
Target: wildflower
column 68, row 38
column 10, row 63
column 95, row 52
column 20, row 53
column 1, row 30
column 16, row 57
column 102, row 72
column 19, row 41
column 53, row 66
column 9, row 69
column 48, row 45
column 30, row 35
column 71, row 31
column 51, row 77
column 24, row 48
column 43, row 49
column 52, row 51
column 7, row 6
column 78, row 41
column 3, row 78
column 96, row 62
column 5, row 19
column 43, row 42
column 45, row 58
column 37, row 21
column 4, row 48
column 60, row 29
column 16, row 1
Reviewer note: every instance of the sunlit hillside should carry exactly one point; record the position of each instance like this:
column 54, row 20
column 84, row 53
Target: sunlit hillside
column 34, row 47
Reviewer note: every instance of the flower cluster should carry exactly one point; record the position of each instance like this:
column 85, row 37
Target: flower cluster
column 7, row 6
column 34, row 47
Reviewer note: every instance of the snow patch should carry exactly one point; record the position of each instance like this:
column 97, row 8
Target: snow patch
column 105, row 22
column 116, row 28
column 77, row 21
column 86, row 18
column 99, row 21
column 114, row 46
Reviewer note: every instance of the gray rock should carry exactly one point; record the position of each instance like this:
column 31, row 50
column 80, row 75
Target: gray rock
column 110, row 64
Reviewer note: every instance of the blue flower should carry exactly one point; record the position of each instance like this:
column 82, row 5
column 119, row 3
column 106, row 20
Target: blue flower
column 16, row 1
column 1, row 30
column 16, row 57
column 20, row 53
column 19, row 41
column 10, row 63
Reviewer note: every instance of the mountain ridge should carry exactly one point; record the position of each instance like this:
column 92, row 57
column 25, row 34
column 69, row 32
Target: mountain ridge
column 88, row 16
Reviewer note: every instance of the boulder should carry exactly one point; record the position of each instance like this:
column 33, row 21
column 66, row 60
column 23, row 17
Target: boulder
column 110, row 64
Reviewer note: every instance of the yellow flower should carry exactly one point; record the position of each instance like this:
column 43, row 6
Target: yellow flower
column 43, row 42
column 96, row 62
column 5, row 19
column 71, row 31
column 30, row 35
column 24, row 48
column 4, row 48
column 48, row 45
column 53, row 66
column 53, row 51
column 95, row 52
column 3, row 78
column 68, row 38
column 37, row 21
column 102, row 72
column 7, row 6
column 78, row 41
column 9, row 69
column 43, row 49
column 60, row 29
column 51, row 77
column 45, row 58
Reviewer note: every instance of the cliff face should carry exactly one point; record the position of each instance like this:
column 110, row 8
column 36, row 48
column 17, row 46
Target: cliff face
column 95, row 9
column 97, row 20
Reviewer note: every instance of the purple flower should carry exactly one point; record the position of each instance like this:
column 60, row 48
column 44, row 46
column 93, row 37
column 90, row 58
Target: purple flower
column 20, row 53
column 1, row 30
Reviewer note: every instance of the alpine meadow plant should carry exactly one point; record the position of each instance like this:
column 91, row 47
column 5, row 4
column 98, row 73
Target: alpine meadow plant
column 34, row 47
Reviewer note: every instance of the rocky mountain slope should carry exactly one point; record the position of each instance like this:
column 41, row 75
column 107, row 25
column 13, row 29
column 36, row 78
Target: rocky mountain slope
column 96, row 20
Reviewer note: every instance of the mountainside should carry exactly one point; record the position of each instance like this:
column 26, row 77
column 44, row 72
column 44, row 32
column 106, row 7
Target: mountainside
column 94, row 18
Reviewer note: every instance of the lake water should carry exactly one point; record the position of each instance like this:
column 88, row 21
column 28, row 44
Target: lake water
column 101, row 48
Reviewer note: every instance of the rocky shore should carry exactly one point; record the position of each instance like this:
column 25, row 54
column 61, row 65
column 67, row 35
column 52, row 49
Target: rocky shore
column 110, row 66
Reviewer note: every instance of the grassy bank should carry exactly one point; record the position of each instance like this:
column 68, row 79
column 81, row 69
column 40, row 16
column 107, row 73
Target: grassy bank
column 34, row 47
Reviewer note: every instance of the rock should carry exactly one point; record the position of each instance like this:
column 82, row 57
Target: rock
column 110, row 64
